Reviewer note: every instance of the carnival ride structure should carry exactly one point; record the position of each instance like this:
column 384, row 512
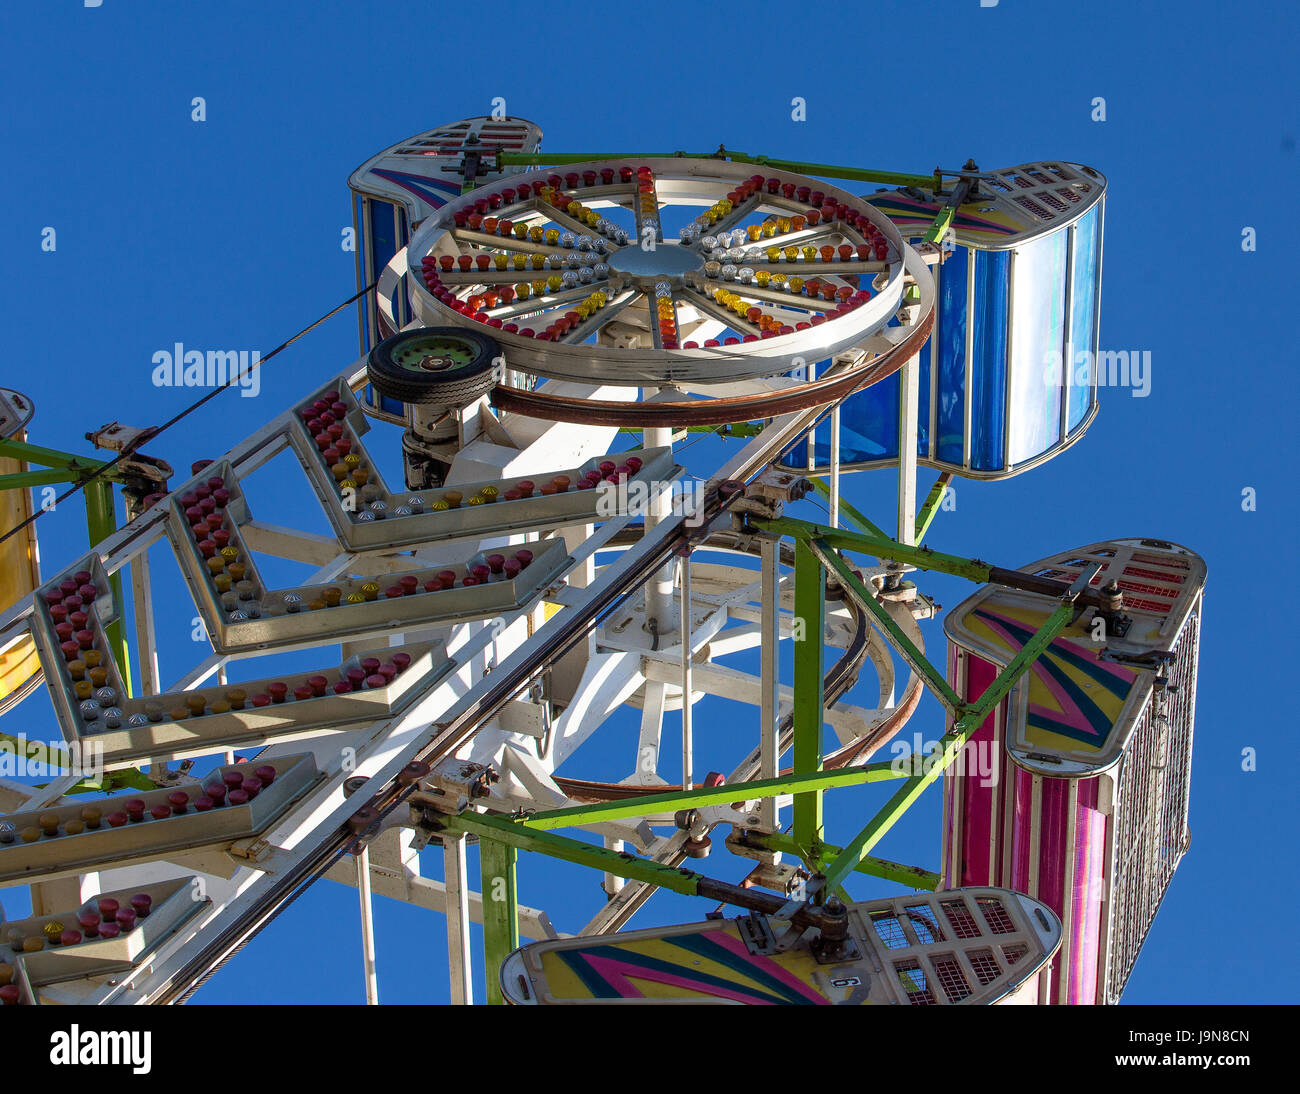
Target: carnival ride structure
column 532, row 580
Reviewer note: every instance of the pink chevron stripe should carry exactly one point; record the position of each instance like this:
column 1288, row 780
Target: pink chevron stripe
column 617, row 973
column 1068, row 711
column 1110, row 668
column 767, row 965
column 1118, row 671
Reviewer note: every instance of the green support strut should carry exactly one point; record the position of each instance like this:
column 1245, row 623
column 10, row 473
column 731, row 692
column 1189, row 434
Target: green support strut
column 809, row 691
column 954, row 741
column 500, row 911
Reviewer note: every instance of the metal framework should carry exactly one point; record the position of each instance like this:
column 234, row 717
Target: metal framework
column 487, row 750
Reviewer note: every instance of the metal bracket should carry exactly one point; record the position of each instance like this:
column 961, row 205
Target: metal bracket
column 767, row 496
column 455, row 784
column 757, row 934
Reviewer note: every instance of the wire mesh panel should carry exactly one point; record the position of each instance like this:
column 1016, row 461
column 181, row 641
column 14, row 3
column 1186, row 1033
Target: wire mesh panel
column 1092, row 816
column 924, row 924
column 1014, row 953
column 963, row 923
column 995, row 915
column 952, row 980
column 913, row 980
column 986, row 965
column 889, row 930
column 1151, row 831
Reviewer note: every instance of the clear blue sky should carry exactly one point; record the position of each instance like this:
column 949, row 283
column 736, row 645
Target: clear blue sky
column 226, row 233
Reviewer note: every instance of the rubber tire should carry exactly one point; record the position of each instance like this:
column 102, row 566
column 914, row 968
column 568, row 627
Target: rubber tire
column 458, row 386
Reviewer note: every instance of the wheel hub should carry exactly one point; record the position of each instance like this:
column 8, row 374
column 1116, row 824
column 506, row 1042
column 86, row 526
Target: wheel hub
column 644, row 267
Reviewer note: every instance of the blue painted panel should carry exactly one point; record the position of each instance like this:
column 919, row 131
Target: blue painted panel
column 989, row 349
column 1083, row 310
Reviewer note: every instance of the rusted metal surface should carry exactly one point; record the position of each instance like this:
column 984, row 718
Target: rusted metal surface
column 740, row 408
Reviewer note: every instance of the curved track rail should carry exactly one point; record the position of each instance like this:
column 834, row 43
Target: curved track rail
column 838, row 680
column 719, row 411
column 798, row 411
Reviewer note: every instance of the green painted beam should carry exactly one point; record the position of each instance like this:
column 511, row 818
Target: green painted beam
column 735, row 429
column 836, row 171
column 861, row 844
column 58, row 759
column 24, row 480
column 824, row 170
column 930, row 507
column 1029, row 653
column 939, row 226
column 858, row 519
column 544, row 159
column 932, row 677
column 809, row 691
column 47, row 457
column 913, row 877
column 953, row 742
column 126, row 778
column 700, row 797
column 503, row 831
column 880, row 546
column 497, row 862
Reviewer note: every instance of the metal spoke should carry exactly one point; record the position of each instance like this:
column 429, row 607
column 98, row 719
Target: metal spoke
column 732, row 219
column 543, row 303
column 585, row 330
column 458, row 279
column 815, row 305
column 738, row 323
column 841, row 269
column 568, row 223
column 467, row 237
column 802, row 238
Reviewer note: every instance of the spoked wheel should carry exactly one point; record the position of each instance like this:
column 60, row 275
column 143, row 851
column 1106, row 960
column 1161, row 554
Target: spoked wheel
column 438, row 366
column 689, row 274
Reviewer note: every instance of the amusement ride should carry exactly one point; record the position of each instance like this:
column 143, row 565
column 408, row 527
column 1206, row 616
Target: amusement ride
column 557, row 563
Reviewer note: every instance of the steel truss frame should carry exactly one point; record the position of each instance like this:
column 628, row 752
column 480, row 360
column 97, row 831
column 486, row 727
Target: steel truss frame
column 817, row 554
column 316, row 841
